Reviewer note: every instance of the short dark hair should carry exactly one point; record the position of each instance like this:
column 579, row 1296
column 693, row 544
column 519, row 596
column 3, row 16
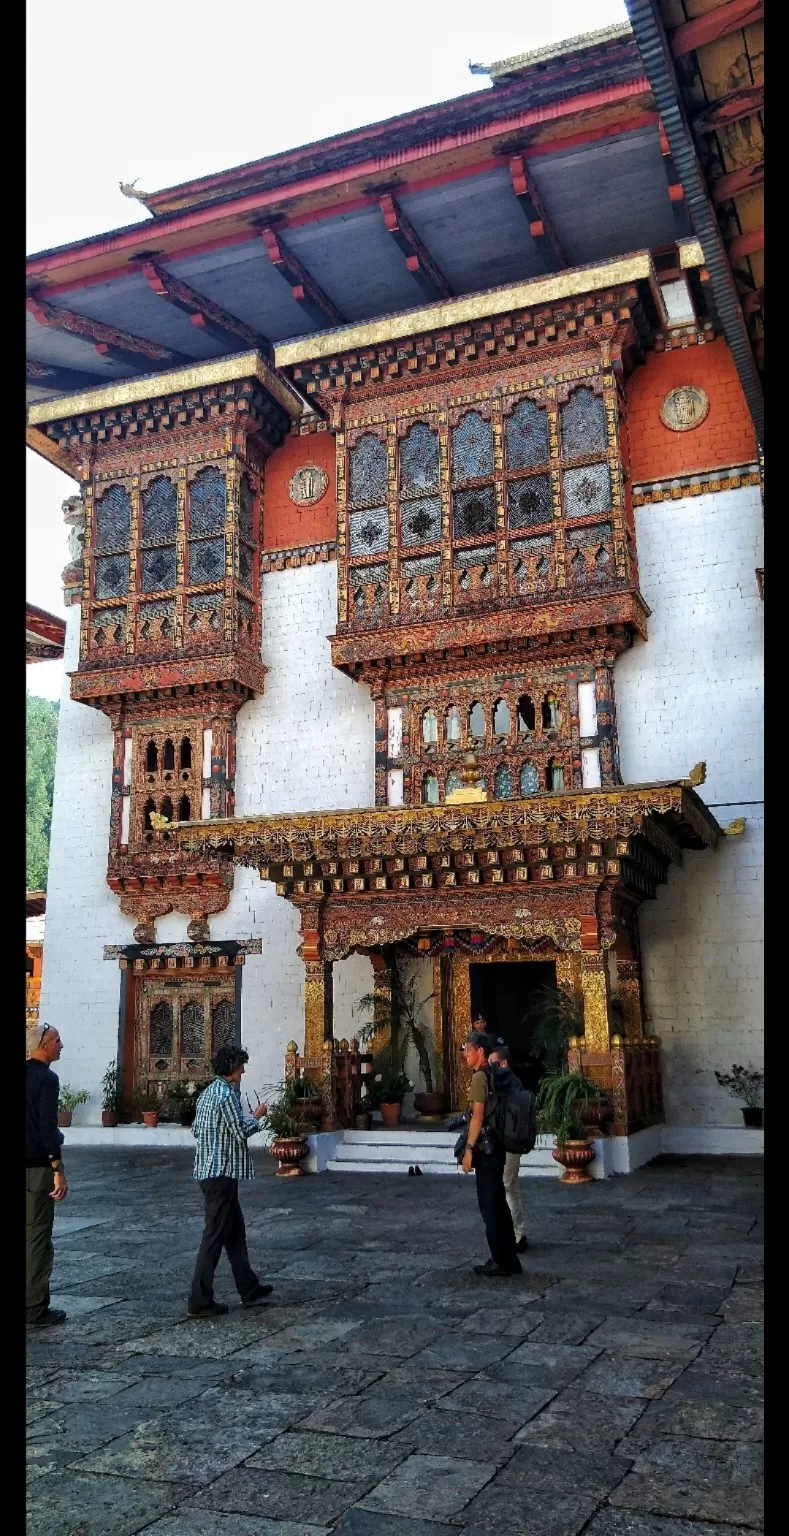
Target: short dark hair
column 502, row 1050
column 481, row 1039
column 227, row 1058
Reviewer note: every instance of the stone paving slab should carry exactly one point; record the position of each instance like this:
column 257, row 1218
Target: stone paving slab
column 613, row 1389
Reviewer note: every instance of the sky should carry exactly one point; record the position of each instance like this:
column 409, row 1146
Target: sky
column 202, row 89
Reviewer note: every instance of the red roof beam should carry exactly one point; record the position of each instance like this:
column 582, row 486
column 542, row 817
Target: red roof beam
column 203, row 313
column 430, row 279
column 745, row 245
column 120, row 346
column 737, row 182
column 730, row 109
column 304, row 289
column 540, row 227
column 716, row 24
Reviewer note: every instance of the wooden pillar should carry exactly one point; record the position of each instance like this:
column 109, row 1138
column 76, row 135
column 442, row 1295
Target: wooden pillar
column 318, row 1008
column 382, row 1004
column 595, row 991
column 629, row 979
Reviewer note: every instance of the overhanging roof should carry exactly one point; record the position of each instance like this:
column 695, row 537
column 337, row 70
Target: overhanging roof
column 45, row 634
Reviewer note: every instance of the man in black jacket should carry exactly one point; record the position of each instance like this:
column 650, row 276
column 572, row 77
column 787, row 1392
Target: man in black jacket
column 45, row 1177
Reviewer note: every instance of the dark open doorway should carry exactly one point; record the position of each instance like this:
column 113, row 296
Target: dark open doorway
column 501, row 995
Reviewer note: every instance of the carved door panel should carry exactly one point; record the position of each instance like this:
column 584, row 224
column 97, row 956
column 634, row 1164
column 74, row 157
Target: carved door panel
column 178, row 1026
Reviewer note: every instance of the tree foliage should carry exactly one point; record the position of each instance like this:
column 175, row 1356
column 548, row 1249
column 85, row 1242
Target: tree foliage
column 42, row 731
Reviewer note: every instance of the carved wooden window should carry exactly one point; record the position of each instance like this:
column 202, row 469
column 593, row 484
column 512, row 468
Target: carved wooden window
column 192, row 1030
column 474, row 508
column 453, row 727
column 420, row 503
column 454, row 782
column 526, row 715
column 583, row 425
column 151, row 758
column 368, row 471
column 246, row 528
column 161, row 1027
column 530, row 779
column 476, row 722
column 223, row 1025
column 551, row 713
column 113, row 528
column 555, row 776
column 168, row 756
column 430, row 727
column 150, row 805
column 207, row 516
column 184, row 809
column 503, row 785
column 501, row 718
column 185, row 754
column 430, row 789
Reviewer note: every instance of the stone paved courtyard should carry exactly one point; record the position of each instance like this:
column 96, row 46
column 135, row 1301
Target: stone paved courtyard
column 614, row 1390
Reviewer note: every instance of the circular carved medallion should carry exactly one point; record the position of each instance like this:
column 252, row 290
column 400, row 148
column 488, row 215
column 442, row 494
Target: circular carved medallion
column 308, row 485
column 684, row 408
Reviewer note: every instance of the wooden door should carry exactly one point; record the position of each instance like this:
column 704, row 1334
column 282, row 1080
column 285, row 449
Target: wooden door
column 178, row 1026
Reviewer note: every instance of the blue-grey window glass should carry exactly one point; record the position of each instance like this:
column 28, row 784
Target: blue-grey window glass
column 158, row 569
column 530, row 779
column 452, row 725
column 476, row 721
column 113, row 519
column 602, row 561
column 159, row 511
column 224, row 1024
column 429, row 726
column 474, row 512
column 526, row 436
column 111, row 576
column 246, row 506
column 454, row 782
column 503, row 786
column 472, row 449
column 207, row 502
column 583, row 425
column 419, row 460
column 192, row 1026
column 480, row 554
column 161, row 1025
column 244, row 565
column 420, row 521
column 369, row 531
column 501, row 718
column 529, row 502
column 526, row 714
column 368, row 478
column 587, row 491
column 430, row 789
column 206, row 561
column 555, row 776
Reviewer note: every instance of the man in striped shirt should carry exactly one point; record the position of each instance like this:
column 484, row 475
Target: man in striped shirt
column 221, row 1130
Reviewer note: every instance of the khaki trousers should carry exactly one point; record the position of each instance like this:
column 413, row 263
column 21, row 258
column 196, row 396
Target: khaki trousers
column 512, row 1165
column 40, row 1211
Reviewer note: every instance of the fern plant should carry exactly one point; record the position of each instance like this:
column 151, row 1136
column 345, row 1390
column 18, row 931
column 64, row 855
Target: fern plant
column 558, row 1099
column 554, row 1016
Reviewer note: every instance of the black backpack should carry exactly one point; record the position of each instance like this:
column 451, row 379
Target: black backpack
column 515, row 1117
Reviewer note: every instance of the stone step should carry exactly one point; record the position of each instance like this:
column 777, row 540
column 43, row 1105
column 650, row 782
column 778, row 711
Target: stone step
column 394, row 1151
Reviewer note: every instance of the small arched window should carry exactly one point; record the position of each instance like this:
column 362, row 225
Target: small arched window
column 526, row 715
column 503, row 788
column 224, row 1024
column 501, row 718
column 453, row 729
column 555, row 775
column 186, row 753
column 150, row 805
column 430, row 789
column 430, row 727
column 476, row 722
column 530, row 779
column 167, row 808
column 192, row 1029
column 454, row 782
column 168, row 755
column 551, row 715
column 151, row 757
column 184, row 809
column 161, row 1025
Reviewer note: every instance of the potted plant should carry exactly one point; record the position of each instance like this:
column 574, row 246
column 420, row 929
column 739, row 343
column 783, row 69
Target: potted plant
column 555, row 1016
column 68, row 1100
column 182, row 1100
column 386, row 1090
column 288, row 1144
column 561, row 1098
column 111, row 1095
column 148, row 1105
column 305, row 1100
column 745, row 1085
column 407, row 1031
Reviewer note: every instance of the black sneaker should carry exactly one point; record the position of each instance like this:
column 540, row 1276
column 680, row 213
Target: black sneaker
column 47, row 1319
column 258, row 1296
column 214, row 1309
column 493, row 1271
column 522, row 1244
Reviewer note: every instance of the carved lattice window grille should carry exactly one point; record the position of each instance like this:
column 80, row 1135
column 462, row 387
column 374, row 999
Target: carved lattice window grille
column 207, row 519
column 223, row 1025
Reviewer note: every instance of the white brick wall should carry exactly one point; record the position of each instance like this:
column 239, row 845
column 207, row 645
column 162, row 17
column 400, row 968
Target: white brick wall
column 308, row 744
column 694, row 692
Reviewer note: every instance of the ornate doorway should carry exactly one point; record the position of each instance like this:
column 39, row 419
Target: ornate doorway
column 501, row 994
column 178, row 1026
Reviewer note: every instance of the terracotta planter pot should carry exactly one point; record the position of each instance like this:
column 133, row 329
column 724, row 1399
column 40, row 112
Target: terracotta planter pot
column 150, row 1117
column 64, row 1118
column 109, row 1118
column 289, row 1152
column 390, row 1114
column 431, row 1106
column 754, row 1118
column 574, row 1156
column 362, row 1122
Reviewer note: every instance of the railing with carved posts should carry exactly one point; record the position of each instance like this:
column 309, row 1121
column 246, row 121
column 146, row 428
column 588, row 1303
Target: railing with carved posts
column 630, row 1075
column 338, row 1075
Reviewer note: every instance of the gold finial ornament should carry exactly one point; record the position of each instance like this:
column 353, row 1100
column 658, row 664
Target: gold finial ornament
column 158, row 821
column 698, row 774
column 292, row 1048
column 617, row 1040
column 735, row 828
column 472, row 790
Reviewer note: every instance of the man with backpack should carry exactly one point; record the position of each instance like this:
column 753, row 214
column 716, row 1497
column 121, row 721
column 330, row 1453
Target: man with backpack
column 484, row 1154
column 500, row 1057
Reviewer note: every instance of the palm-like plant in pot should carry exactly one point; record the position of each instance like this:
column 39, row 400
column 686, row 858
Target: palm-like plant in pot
column 561, row 1099
column 556, row 1018
column 111, row 1095
column 286, row 1125
column 386, row 1087
column 407, row 1030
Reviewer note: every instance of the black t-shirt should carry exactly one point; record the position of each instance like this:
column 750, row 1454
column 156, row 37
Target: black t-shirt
column 44, row 1140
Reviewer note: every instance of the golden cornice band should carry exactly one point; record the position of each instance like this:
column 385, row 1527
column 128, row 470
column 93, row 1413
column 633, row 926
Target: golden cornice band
column 219, row 370
column 690, row 253
column 556, row 818
column 473, row 306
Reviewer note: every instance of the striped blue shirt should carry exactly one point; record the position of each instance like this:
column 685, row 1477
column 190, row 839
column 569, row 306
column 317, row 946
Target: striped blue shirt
column 221, row 1129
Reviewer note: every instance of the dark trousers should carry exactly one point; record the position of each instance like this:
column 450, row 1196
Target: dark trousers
column 224, row 1228
column 40, row 1213
column 492, row 1201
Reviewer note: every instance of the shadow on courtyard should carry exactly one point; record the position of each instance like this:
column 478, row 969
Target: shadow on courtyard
column 614, row 1389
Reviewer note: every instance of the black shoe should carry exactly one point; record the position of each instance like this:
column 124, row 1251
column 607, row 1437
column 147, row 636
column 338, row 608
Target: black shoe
column 214, row 1309
column 47, row 1319
column 410, row 1169
column 258, row 1296
column 521, row 1245
column 494, row 1271
column 417, row 1169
